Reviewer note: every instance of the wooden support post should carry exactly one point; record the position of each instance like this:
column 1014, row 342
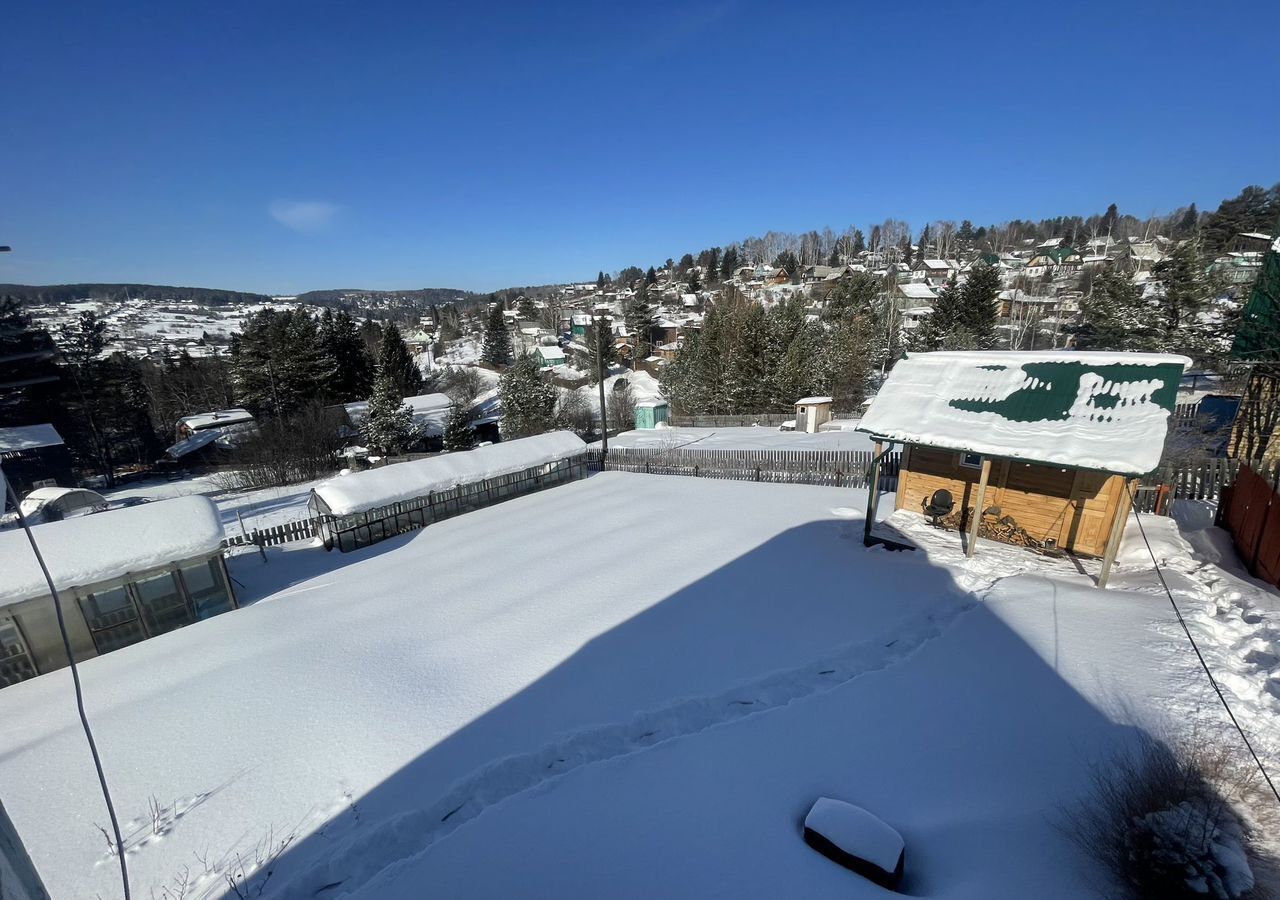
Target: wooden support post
column 872, row 496
column 978, row 504
column 1117, row 531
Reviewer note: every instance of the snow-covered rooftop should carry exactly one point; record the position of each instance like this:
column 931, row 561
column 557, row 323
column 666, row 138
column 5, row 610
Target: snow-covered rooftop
column 1104, row 411
column 28, row 437
column 361, row 491
column 809, row 401
column 430, row 412
column 216, row 419
column 89, row 549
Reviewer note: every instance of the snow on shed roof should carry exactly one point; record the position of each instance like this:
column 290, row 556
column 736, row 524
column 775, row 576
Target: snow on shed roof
column 361, row 491
column 430, row 412
column 917, row 292
column 28, row 437
column 810, row 401
column 89, row 549
column 1104, row 411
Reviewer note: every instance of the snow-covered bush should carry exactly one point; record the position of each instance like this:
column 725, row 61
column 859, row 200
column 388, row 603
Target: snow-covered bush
column 1158, row 820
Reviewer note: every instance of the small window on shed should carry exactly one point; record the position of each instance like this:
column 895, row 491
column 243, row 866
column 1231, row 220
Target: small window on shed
column 207, row 589
column 112, row 619
column 971, row 460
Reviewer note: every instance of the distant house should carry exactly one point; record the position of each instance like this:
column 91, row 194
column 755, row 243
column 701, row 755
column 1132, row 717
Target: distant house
column 219, row 419
column 123, row 576
column 549, row 357
column 430, row 417
column 580, row 322
column 419, row 340
column 934, row 271
column 1054, row 259
column 1042, row 445
column 34, row 456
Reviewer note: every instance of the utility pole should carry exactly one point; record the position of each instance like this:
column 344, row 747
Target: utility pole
column 600, row 372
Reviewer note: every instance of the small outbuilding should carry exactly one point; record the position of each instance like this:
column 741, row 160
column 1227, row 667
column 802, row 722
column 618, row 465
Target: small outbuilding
column 123, row 576
column 550, row 357
column 812, row 413
column 34, row 456
column 1046, row 445
column 652, row 413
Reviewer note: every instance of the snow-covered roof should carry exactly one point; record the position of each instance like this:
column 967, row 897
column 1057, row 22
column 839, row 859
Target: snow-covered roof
column 195, row 442
column 216, row 419
column 28, row 437
column 917, row 292
column 1104, row 411
column 811, row 401
column 90, row 549
column 651, row 404
column 430, row 411
column 361, row 491
column 551, row 352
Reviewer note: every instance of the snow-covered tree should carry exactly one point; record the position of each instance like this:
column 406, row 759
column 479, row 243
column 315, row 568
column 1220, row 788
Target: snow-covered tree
column 528, row 401
column 395, row 359
column 459, row 434
column 388, row 424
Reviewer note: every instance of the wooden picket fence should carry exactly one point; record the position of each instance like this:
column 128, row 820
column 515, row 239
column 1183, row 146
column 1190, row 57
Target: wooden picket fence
column 285, row 533
column 833, row 468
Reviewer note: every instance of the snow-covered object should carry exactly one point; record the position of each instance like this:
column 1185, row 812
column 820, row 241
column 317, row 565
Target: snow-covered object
column 217, row 419
column 1104, row 411
column 812, row 401
column 28, row 437
column 1203, row 846
column 379, row 487
column 196, row 442
column 856, row 839
column 430, row 412
column 95, row 548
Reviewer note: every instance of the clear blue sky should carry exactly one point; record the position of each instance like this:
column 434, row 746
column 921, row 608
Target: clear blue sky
column 286, row 146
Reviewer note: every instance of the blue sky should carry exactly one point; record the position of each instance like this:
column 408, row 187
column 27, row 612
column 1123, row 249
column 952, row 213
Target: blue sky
column 287, row 146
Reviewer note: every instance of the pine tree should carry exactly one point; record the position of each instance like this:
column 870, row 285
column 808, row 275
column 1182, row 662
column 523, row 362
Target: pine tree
column 695, row 283
column 1115, row 316
column 1185, row 292
column 395, row 359
column 459, row 433
column 978, row 307
column 859, row 242
column 924, row 243
column 639, row 319
column 746, row 378
column 348, row 363
column 600, row 282
column 1109, row 219
column 729, row 263
column 388, row 424
column 651, row 277
column 528, row 401
column 528, row 311
column 604, row 350
column 939, row 327
column 29, row 380
column 497, row 339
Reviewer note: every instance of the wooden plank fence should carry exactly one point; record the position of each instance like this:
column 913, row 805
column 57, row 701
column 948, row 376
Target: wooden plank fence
column 1197, row 480
column 732, row 421
column 833, row 468
column 285, row 533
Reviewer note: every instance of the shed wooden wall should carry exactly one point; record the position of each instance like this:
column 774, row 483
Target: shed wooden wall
column 1074, row 507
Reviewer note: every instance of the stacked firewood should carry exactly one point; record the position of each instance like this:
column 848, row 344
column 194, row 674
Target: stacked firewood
column 993, row 526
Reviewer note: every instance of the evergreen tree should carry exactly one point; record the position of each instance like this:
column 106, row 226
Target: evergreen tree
column 277, row 362
column 978, row 307
column 528, row 401
column 747, row 380
column 395, row 359
column 1187, row 224
column 639, row 320
column 388, row 424
column 528, row 311
column 1109, row 219
column 695, row 284
column 651, row 277
column 1185, row 293
column 1115, row 316
column 712, row 265
column 459, row 433
column 729, row 264
column 497, row 339
column 906, row 250
column 789, row 262
column 29, row 381
column 924, row 243
column 686, row 263
column 604, row 350
column 348, row 363
column 859, row 244
column 939, row 327
column 600, row 282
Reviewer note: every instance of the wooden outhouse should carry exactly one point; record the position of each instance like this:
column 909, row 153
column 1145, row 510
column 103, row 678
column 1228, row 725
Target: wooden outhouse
column 1045, row 445
column 812, row 413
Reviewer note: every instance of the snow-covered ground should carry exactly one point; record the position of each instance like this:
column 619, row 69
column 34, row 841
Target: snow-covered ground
column 637, row 700
column 761, row 437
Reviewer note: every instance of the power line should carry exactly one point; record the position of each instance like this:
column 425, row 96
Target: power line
column 1204, row 665
column 75, row 678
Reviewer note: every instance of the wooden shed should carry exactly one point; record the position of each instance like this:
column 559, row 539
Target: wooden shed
column 1044, row 444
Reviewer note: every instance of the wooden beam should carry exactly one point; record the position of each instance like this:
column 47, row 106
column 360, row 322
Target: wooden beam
column 873, row 491
column 1117, row 530
column 978, row 505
